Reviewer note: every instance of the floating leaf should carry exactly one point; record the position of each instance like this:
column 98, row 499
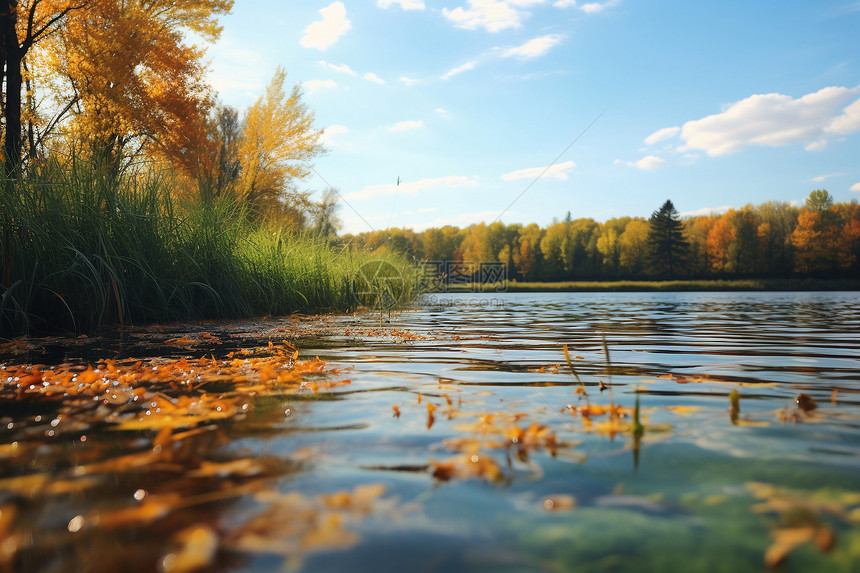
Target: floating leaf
column 198, row 545
column 805, row 402
column 559, row 503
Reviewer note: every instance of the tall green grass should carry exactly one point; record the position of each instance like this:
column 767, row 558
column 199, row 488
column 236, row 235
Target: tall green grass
column 79, row 250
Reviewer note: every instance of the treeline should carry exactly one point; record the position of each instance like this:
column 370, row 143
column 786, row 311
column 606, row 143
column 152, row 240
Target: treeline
column 773, row 239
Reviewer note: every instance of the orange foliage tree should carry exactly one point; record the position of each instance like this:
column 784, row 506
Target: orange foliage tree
column 135, row 82
column 720, row 238
column 827, row 236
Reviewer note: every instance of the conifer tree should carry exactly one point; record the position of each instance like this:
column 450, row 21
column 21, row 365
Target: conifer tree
column 667, row 244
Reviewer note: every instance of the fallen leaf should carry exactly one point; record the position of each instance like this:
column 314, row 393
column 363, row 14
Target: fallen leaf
column 559, row 502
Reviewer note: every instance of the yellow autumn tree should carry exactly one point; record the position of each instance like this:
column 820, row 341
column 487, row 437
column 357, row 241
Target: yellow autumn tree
column 527, row 252
column 278, row 139
column 135, row 82
column 633, row 247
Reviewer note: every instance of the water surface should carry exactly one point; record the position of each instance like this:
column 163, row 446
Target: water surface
column 464, row 441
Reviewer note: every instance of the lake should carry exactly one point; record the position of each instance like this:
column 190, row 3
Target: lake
column 479, row 432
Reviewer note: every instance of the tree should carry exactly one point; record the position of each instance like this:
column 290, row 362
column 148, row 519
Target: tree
column 697, row 230
column 848, row 242
column 22, row 25
column 780, row 220
column 819, row 200
column 278, row 139
column 583, row 234
column 827, row 241
column 720, row 239
column 441, row 244
column 133, row 82
column 326, row 222
column 744, row 249
column 666, row 242
column 476, row 246
column 813, row 241
column 557, row 251
column 633, row 246
column 526, row 255
column 608, row 243
column 226, row 131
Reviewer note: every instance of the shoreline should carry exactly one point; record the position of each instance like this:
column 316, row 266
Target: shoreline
column 752, row 285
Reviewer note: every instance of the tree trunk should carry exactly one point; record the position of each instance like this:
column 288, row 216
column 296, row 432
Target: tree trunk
column 12, row 51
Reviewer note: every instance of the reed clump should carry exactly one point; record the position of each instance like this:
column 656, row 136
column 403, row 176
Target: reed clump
column 79, row 249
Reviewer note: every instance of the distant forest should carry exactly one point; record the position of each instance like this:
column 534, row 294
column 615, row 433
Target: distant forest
column 774, row 239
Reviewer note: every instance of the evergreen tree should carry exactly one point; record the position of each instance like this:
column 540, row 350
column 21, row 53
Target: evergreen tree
column 667, row 244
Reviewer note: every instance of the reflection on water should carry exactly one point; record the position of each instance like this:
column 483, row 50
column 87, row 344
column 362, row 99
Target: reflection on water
column 464, row 440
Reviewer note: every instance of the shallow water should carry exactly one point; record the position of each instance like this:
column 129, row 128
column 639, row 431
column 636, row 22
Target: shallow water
column 514, row 466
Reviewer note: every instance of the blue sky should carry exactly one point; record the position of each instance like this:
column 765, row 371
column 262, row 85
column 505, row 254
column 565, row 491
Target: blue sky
column 712, row 104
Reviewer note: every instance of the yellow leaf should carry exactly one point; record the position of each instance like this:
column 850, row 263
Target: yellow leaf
column 785, row 541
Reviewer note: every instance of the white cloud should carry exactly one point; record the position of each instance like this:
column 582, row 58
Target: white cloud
column 534, row 47
column 661, row 134
column 459, row 69
column 343, row 68
column 855, row 187
column 443, row 113
column 554, row 171
column 412, row 187
column 589, row 7
column 595, row 7
column 821, row 178
column 776, row 120
column 313, row 85
column 705, row 211
column 648, row 162
column 331, row 131
column 408, row 81
column 405, row 4
column 371, row 77
column 320, row 35
column 491, row 15
column 848, row 122
column 408, row 124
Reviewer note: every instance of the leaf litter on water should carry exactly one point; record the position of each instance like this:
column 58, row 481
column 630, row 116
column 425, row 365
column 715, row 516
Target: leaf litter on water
column 170, row 408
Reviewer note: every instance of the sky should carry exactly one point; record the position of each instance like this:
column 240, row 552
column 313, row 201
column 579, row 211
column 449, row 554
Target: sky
column 523, row 110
